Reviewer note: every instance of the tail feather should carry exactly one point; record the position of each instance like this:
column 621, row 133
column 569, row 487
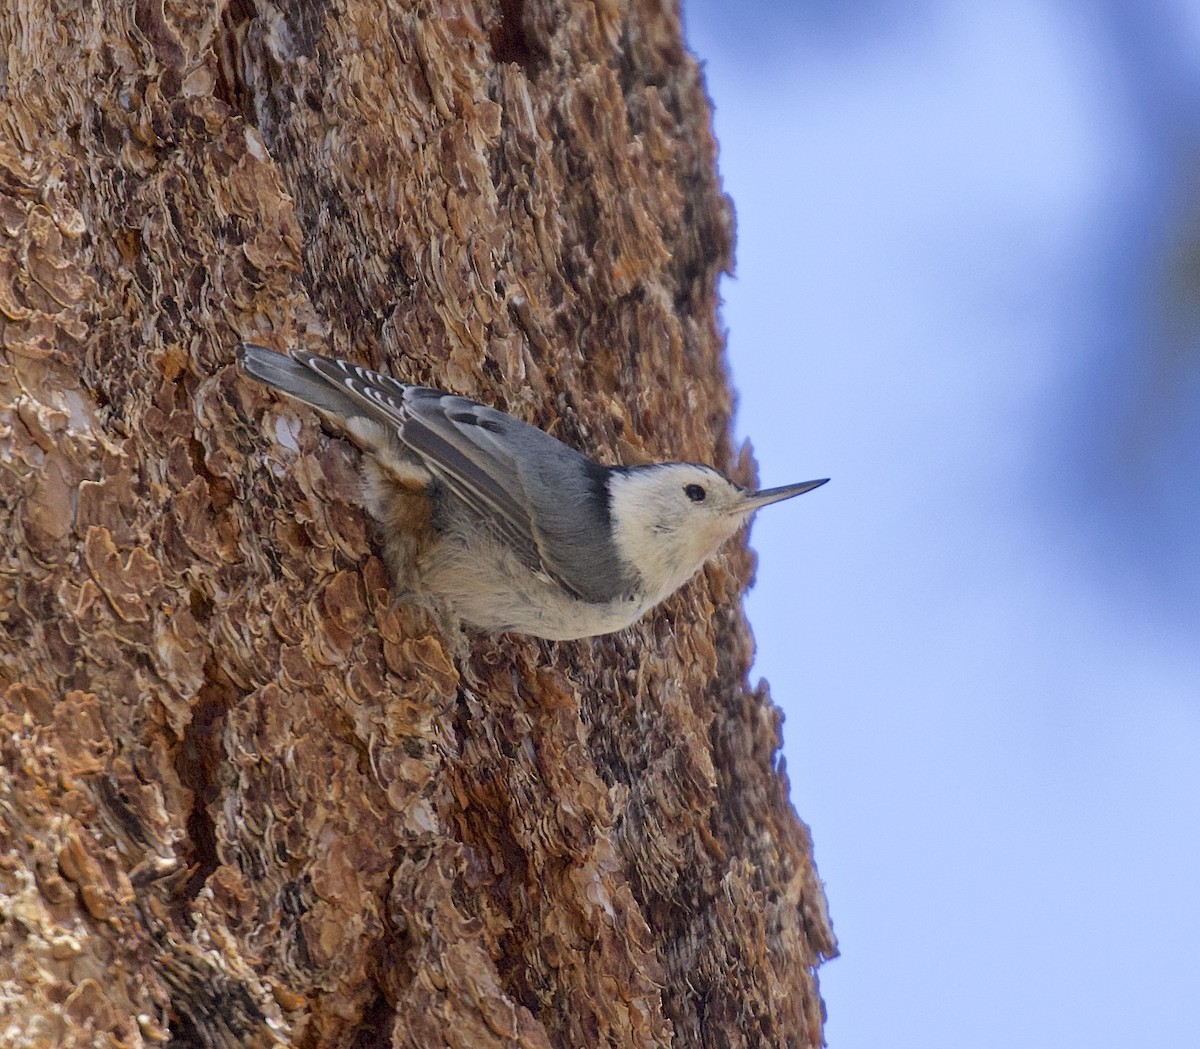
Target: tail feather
column 290, row 376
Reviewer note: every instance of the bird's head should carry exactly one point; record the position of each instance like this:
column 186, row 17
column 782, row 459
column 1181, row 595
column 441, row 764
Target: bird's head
column 669, row 518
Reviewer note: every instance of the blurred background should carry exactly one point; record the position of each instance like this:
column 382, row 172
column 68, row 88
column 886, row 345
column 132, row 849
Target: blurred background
column 968, row 290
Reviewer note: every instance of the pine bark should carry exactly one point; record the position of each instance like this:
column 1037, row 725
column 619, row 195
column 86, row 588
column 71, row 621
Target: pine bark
column 245, row 798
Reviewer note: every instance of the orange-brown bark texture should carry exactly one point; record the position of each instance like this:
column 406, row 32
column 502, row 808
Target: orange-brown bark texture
column 246, row 797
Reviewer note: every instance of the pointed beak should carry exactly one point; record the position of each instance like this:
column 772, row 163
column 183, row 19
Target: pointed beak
column 757, row 500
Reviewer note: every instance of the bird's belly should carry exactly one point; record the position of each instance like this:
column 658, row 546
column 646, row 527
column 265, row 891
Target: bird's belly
column 501, row 594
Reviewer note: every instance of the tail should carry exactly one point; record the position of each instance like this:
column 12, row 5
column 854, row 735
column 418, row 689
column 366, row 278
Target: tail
column 289, row 375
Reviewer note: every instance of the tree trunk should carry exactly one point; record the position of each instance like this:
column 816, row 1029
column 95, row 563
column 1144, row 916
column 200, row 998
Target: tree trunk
column 246, row 799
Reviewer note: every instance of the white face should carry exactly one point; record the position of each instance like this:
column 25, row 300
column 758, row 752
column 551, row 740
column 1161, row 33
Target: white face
column 670, row 519
column 711, row 505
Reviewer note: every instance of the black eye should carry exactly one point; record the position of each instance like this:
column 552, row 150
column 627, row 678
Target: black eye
column 695, row 492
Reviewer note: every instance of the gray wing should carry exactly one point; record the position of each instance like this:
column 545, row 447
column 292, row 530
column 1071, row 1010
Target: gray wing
column 542, row 499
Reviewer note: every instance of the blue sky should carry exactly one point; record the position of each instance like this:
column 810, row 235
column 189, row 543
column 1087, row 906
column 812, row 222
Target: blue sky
column 968, row 290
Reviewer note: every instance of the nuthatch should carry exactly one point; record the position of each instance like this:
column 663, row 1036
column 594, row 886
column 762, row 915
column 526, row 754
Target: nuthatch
column 503, row 526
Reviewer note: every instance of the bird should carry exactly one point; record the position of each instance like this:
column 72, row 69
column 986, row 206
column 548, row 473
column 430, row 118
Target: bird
column 502, row 527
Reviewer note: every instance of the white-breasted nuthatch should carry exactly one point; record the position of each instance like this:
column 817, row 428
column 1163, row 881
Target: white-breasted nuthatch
column 503, row 526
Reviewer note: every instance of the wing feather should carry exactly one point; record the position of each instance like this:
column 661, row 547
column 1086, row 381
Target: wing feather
column 470, row 449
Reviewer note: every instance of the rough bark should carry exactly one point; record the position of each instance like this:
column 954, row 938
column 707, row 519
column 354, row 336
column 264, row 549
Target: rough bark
column 244, row 799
